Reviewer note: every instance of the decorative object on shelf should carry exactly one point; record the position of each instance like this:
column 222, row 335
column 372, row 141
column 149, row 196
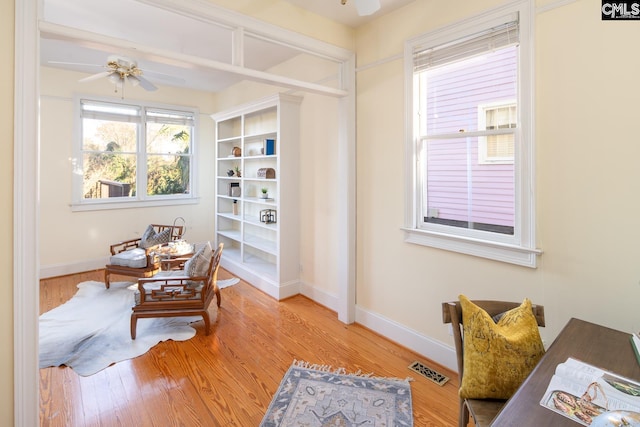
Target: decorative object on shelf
column 238, row 171
column 265, row 193
column 269, row 147
column 236, row 151
column 235, row 207
column 234, row 189
column 268, row 173
column 230, row 172
column 268, row 216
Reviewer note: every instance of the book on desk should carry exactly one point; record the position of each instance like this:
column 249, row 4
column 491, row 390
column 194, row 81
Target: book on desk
column 581, row 392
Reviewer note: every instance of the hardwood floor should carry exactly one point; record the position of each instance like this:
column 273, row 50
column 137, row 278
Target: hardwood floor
column 229, row 377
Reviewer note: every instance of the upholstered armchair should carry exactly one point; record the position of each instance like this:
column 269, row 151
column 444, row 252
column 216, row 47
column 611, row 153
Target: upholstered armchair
column 137, row 257
column 178, row 293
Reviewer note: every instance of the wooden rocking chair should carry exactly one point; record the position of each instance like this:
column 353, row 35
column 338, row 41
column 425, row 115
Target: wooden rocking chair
column 177, row 293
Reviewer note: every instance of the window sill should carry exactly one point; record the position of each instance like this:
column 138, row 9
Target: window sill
column 130, row 204
column 512, row 254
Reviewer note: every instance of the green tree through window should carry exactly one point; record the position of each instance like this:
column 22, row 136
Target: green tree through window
column 135, row 152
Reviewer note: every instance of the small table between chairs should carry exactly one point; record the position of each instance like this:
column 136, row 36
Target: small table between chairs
column 173, row 255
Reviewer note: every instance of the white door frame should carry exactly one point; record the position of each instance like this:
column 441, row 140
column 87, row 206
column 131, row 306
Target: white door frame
column 26, row 209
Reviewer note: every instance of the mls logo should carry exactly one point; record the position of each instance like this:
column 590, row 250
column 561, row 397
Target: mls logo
column 620, row 10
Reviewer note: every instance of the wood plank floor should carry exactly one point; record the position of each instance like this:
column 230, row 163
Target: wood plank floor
column 229, row 377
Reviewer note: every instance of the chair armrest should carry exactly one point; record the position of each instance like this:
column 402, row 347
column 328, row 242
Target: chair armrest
column 124, row 245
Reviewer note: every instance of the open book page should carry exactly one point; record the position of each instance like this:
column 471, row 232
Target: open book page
column 582, row 392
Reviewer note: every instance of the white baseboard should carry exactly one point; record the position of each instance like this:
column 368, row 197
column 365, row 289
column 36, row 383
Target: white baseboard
column 429, row 348
column 55, row 270
column 267, row 286
column 321, row 297
column 396, row 332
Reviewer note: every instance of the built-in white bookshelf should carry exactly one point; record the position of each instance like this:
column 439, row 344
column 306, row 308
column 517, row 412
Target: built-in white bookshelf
column 260, row 235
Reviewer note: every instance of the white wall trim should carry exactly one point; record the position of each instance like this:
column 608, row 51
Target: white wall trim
column 431, row 349
column 26, row 216
column 346, row 200
column 319, row 296
column 55, row 270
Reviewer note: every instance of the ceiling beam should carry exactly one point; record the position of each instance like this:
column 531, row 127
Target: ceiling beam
column 62, row 32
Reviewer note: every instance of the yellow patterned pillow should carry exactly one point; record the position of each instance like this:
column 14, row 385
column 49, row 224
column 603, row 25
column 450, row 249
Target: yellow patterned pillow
column 498, row 356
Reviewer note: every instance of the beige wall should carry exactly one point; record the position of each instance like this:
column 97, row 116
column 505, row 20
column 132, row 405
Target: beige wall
column 6, row 213
column 587, row 178
column 64, row 231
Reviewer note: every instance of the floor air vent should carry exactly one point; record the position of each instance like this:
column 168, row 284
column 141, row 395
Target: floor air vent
column 429, row 373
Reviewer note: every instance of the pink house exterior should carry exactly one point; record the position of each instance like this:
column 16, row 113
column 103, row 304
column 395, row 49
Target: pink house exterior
column 459, row 185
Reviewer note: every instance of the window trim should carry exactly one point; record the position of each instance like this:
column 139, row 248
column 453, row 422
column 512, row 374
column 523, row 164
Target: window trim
column 80, row 204
column 519, row 249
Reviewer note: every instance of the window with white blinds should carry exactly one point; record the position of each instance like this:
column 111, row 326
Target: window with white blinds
column 469, row 98
column 131, row 153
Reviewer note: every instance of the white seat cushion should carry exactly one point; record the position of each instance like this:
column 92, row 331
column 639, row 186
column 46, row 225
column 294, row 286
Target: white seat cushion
column 134, row 258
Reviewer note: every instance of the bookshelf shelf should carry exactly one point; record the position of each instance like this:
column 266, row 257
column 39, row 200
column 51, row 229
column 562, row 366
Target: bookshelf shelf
column 252, row 137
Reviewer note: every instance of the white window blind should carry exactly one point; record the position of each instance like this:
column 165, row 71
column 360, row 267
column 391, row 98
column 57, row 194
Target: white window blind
column 500, row 36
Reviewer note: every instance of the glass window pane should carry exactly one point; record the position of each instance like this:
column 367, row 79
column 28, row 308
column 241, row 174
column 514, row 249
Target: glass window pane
column 106, row 135
column 108, row 174
column 453, row 93
column 167, row 174
column 168, row 139
column 459, row 191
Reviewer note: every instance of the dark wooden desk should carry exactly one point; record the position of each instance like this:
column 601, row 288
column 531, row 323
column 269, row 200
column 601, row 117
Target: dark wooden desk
column 597, row 345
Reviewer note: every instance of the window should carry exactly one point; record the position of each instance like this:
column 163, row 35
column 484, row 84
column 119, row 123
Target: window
column 496, row 148
column 470, row 142
column 131, row 154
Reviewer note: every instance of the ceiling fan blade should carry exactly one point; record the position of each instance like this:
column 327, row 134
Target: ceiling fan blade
column 166, row 77
column 146, row 84
column 96, row 76
column 367, row 7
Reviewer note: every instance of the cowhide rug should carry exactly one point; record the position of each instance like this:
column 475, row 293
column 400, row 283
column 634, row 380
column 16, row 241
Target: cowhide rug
column 92, row 330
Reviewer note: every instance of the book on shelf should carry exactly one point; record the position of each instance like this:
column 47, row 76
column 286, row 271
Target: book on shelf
column 581, row 392
column 269, row 147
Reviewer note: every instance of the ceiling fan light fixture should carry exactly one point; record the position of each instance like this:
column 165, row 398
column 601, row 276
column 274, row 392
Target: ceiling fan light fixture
column 133, row 80
column 114, row 77
column 367, row 7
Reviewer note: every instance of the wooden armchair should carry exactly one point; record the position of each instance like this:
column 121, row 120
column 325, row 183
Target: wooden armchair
column 177, row 293
column 138, row 262
column 483, row 411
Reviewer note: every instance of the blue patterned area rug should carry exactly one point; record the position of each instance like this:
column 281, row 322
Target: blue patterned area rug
column 319, row 396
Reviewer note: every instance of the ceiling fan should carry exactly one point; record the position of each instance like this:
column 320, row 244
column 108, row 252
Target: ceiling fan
column 365, row 7
column 120, row 70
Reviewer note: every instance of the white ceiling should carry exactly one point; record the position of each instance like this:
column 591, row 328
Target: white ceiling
column 346, row 14
column 136, row 21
